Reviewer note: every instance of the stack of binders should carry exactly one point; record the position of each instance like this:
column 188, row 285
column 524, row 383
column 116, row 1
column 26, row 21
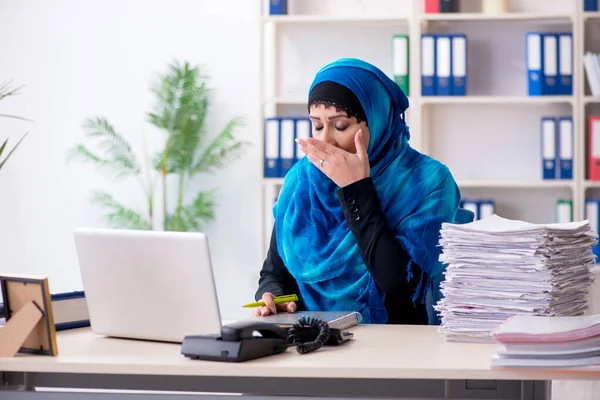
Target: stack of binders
column 440, row 6
column 480, row 208
column 281, row 150
column 557, row 147
column 444, row 64
column 549, row 63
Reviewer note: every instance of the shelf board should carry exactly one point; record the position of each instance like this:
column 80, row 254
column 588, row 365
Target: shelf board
column 591, row 99
column 496, row 99
column 295, row 19
column 591, row 15
column 281, row 100
column 273, row 181
column 494, row 17
column 591, row 184
column 516, row 184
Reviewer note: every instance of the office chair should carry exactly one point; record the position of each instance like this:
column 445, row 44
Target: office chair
column 463, row 216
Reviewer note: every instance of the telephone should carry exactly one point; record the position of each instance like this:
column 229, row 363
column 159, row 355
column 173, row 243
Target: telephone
column 247, row 340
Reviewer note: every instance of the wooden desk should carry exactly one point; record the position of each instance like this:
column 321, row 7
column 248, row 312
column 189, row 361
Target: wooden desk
column 376, row 363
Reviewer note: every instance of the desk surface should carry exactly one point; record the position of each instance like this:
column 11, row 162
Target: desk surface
column 377, row 352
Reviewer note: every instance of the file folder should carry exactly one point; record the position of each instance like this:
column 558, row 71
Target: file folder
column 550, row 67
column 549, row 154
column 287, row 146
column 594, row 148
column 443, row 65
column 534, row 55
column 278, row 7
column 565, row 147
column 303, row 131
column 564, row 211
column 400, row 67
column 459, row 65
column 271, row 148
column 428, row 57
column 591, row 214
column 565, row 64
column 432, row 6
column 590, row 5
column 486, row 208
column 471, row 206
column 448, row 6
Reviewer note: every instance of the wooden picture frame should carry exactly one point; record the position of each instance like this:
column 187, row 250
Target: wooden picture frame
column 29, row 326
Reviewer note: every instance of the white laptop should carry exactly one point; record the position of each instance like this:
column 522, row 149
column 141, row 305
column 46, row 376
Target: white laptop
column 149, row 285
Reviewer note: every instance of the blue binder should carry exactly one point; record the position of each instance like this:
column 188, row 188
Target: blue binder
column 272, row 148
column 459, row 65
column 443, row 64
column 590, row 5
column 471, row 206
column 550, row 64
column 428, row 68
column 485, row 208
column 564, row 84
column 287, row 145
column 277, row 7
column 592, row 214
column 565, row 147
column 549, row 147
column 534, row 54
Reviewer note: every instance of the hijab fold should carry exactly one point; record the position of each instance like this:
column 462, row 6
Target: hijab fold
column 417, row 194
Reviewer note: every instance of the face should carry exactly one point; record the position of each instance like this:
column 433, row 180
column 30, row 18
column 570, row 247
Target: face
column 336, row 128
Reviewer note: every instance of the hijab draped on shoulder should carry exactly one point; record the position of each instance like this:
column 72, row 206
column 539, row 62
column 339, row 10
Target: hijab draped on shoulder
column 417, row 194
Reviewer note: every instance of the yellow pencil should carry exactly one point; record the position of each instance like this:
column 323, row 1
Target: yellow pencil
column 277, row 300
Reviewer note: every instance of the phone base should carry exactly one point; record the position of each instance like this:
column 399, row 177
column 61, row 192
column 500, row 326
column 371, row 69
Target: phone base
column 213, row 348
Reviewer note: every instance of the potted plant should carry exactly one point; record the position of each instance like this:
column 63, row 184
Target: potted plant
column 182, row 99
column 6, row 91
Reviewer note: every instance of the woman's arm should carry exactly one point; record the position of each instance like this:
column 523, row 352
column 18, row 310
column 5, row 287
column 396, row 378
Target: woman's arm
column 274, row 276
column 382, row 252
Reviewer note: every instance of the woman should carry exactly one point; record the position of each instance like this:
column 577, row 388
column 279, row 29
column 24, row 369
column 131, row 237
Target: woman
column 357, row 221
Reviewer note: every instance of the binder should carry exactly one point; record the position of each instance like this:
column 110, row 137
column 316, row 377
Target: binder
column 278, row 7
column 590, row 5
column 549, row 154
column 428, row 59
column 471, row 206
column 594, row 148
column 303, row 131
column 432, row 6
column 564, row 211
column 550, row 67
column 565, row 64
column 486, row 208
column 448, row 6
column 592, row 208
column 400, row 63
column 287, row 146
column 443, row 65
column 271, row 148
column 565, row 147
column 459, row 65
column 534, row 53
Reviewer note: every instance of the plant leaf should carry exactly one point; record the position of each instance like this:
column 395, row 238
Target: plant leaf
column 119, row 160
column 222, row 150
column 118, row 215
column 11, row 151
column 192, row 216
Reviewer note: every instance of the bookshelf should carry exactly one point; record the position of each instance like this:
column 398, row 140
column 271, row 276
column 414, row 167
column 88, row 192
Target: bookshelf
column 489, row 138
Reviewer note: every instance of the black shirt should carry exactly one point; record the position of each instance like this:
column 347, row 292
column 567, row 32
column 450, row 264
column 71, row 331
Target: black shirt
column 381, row 251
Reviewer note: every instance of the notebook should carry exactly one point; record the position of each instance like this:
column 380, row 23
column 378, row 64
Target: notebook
column 336, row 319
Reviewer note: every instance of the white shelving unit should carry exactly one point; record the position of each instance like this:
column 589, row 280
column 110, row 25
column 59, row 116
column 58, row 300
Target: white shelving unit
column 490, row 138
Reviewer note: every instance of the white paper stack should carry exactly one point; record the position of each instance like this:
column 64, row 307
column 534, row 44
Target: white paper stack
column 497, row 268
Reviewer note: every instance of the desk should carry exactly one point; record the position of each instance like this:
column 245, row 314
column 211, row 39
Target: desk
column 382, row 361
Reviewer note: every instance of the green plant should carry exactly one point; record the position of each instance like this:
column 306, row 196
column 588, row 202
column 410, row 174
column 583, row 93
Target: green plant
column 7, row 91
column 180, row 112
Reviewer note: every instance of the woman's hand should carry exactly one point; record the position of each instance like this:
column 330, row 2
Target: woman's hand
column 271, row 308
column 342, row 167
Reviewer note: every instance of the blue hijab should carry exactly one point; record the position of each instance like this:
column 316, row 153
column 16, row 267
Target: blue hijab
column 416, row 194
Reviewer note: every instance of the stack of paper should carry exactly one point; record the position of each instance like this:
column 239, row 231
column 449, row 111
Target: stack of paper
column 497, row 268
column 548, row 342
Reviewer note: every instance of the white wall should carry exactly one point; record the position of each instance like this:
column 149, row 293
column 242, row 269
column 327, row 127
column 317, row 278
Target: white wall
column 80, row 59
